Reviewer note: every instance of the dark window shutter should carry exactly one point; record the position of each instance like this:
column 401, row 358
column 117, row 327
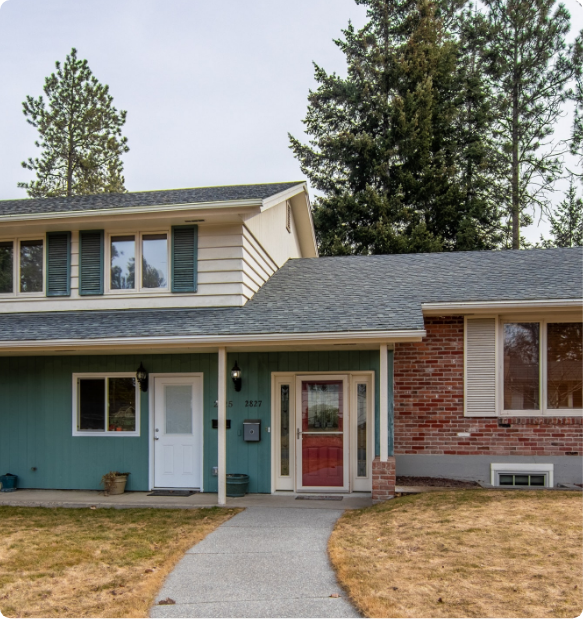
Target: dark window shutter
column 58, row 264
column 184, row 258
column 91, row 262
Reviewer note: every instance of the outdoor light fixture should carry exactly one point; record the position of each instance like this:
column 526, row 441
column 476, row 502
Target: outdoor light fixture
column 236, row 376
column 142, row 378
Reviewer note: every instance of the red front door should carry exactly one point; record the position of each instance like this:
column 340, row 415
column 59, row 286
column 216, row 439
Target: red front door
column 321, row 434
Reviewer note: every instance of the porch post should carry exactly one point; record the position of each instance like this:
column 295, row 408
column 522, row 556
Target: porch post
column 384, row 403
column 222, row 429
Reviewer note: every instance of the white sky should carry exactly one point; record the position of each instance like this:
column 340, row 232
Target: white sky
column 211, row 88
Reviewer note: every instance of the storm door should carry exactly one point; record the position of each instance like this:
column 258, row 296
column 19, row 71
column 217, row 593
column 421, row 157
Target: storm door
column 322, row 433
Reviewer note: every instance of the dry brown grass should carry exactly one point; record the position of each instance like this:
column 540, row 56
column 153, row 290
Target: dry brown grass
column 464, row 553
column 93, row 563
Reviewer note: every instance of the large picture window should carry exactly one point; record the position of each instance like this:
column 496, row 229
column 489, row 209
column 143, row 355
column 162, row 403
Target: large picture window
column 543, row 367
column 105, row 405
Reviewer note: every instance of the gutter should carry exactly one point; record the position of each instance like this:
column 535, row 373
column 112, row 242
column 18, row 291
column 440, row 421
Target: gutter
column 465, row 306
column 272, row 339
column 130, row 210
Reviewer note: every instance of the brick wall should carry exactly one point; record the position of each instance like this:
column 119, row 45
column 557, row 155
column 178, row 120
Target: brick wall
column 383, row 480
column 429, row 406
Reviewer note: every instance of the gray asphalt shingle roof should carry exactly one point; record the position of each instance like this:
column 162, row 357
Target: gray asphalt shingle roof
column 143, row 198
column 323, row 295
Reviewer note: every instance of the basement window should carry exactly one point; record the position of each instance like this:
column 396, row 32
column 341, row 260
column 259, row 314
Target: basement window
column 522, row 475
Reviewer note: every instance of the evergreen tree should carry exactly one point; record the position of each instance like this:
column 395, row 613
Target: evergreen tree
column 577, row 97
column 567, row 225
column 529, row 66
column 385, row 142
column 80, row 135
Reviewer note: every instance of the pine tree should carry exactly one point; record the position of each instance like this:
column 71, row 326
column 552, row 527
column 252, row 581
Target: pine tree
column 529, row 66
column 385, row 142
column 80, row 135
column 567, row 225
column 577, row 97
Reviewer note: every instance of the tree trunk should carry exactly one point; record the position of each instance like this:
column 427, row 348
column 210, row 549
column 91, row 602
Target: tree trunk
column 515, row 165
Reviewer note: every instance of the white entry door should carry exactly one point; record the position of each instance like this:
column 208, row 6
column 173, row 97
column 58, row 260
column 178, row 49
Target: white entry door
column 178, row 429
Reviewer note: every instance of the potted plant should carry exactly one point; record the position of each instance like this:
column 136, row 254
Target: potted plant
column 114, row 482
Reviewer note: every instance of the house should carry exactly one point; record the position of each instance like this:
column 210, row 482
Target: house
column 182, row 335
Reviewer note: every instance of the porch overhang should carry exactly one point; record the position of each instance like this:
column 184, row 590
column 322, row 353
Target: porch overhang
column 212, row 343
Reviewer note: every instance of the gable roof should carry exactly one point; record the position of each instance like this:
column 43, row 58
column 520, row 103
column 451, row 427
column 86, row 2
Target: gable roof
column 106, row 201
column 333, row 295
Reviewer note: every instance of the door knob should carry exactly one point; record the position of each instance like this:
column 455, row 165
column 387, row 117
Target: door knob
column 156, row 438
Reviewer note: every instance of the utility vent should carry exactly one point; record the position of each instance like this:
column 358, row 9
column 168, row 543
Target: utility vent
column 518, row 475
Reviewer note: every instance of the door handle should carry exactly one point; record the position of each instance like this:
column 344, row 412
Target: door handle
column 156, row 438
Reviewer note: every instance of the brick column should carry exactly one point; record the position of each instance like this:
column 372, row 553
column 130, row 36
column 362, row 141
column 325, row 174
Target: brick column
column 383, row 480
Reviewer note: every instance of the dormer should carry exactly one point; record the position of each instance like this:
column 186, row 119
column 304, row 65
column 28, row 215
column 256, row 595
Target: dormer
column 200, row 247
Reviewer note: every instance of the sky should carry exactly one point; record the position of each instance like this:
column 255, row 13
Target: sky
column 212, row 88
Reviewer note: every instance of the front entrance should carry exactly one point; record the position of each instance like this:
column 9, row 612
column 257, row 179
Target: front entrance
column 178, row 431
column 323, row 432
column 322, row 441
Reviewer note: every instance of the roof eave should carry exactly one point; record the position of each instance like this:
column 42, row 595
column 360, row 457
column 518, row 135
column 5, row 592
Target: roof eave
column 133, row 210
column 464, row 307
column 194, row 341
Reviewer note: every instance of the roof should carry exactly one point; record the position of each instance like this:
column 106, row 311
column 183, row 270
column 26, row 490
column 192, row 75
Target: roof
column 195, row 195
column 334, row 294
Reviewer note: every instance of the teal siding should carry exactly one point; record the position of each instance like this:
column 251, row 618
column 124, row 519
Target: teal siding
column 36, row 426
column 36, row 420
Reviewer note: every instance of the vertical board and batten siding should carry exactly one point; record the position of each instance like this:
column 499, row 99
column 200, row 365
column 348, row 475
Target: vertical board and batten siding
column 254, row 459
column 36, row 420
column 480, row 360
column 58, row 262
column 36, row 415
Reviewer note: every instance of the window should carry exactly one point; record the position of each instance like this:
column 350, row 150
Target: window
column 361, row 431
column 123, row 262
column 31, row 266
column 105, row 405
column 22, row 266
column 543, row 367
column 6, row 267
column 522, row 475
column 521, row 366
column 154, row 261
column 138, row 262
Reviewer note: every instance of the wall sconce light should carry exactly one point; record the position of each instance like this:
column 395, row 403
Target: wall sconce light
column 236, row 376
column 142, row 378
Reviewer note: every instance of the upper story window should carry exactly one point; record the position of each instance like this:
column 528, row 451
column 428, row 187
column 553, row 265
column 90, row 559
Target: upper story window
column 138, row 261
column 22, row 272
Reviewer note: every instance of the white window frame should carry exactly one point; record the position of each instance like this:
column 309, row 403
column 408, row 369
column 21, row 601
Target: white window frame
column 543, row 411
column 16, row 266
column 106, row 432
column 517, row 468
column 138, row 240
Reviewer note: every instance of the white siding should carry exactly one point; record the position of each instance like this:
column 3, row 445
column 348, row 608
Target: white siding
column 269, row 228
column 480, row 367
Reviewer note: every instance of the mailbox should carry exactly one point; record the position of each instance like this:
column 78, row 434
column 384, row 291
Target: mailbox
column 252, row 430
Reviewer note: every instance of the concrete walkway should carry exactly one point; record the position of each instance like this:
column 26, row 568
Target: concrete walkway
column 264, row 562
column 95, row 498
